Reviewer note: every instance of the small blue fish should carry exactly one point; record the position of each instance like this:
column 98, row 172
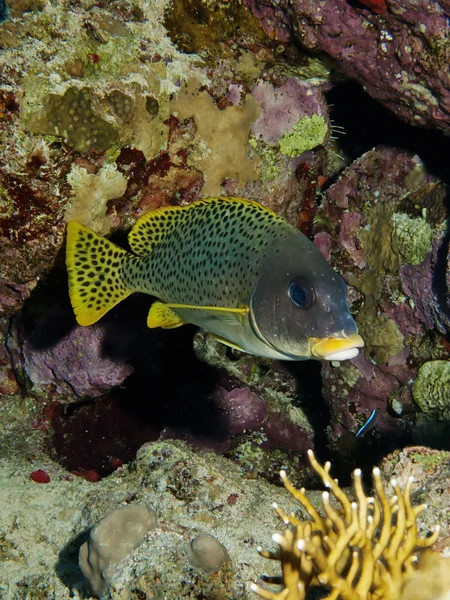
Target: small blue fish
column 369, row 424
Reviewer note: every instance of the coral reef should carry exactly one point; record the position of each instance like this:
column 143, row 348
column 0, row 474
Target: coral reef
column 221, row 137
column 91, row 194
column 71, row 115
column 365, row 549
column 206, row 28
column 384, row 219
column 282, row 108
column 411, row 238
column 306, row 134
column 111, row 109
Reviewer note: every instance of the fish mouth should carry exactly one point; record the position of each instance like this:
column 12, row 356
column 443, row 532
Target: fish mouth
column 336, row 348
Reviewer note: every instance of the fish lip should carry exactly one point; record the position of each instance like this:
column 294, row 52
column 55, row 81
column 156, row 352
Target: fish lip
column 337, row 347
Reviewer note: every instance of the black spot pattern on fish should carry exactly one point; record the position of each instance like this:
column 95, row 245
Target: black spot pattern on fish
column 208, row 253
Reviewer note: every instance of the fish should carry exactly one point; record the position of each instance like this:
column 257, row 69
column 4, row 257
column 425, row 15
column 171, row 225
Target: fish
column 369, row 424
column 228, row 265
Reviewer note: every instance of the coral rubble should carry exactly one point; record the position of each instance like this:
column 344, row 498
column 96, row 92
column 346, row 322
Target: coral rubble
column 363, row 550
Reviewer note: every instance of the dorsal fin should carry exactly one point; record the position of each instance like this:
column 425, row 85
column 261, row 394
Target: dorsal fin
column 154, row 226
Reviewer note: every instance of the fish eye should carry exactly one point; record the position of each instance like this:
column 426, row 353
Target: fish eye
column 301, row 292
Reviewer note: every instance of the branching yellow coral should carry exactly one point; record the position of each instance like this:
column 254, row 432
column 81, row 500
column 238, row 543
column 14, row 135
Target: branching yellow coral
column 363, row 550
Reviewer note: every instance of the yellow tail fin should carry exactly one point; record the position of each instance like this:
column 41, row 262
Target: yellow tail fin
column 93, row 264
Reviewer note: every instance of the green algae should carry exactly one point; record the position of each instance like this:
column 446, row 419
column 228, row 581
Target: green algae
column 411, row 238
column 270, row 168
column 376, row 238
column 348, row 375
column 432, row 460
column 383, row 339
column 306, row 134
column 431, row 389
column 439, row 50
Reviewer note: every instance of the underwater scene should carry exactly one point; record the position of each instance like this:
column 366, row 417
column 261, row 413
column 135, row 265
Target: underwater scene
column 224, row 299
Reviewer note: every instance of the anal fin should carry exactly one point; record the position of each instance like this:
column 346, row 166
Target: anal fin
column 161, row 315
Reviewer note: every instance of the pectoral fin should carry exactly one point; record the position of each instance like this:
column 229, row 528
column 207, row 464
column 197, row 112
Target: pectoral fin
column 161, row 315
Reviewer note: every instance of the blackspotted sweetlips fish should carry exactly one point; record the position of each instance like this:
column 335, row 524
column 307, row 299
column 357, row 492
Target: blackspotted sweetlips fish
column 228, row 265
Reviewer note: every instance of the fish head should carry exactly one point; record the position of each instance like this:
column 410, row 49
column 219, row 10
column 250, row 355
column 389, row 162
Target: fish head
column 299, row 306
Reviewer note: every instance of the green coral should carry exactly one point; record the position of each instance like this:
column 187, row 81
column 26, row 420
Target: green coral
column 306, row 134
column 431, row 389
column 411, row 238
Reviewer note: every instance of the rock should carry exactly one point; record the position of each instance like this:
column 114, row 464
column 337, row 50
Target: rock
column 398, row 56
column 205, row 552
column 112, row 540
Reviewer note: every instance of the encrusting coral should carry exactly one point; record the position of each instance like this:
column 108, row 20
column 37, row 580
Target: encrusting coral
column 364, row 551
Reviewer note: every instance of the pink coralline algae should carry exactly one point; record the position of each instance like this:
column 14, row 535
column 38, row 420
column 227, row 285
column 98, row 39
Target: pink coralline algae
column 418, row 284
column 281, row 432
column 400, row 56
column 322, row 242
column 75, row 364
column 350, row 224
column 242, row 409
column 282, row 107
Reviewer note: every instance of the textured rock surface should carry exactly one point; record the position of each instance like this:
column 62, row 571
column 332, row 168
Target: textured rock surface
column 192, row 494
column 430, row 469
column 43, row 526
column 111, row 541
column 400, row 56
column 76, row 364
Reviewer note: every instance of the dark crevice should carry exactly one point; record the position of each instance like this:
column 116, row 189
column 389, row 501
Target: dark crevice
column 367, row 123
